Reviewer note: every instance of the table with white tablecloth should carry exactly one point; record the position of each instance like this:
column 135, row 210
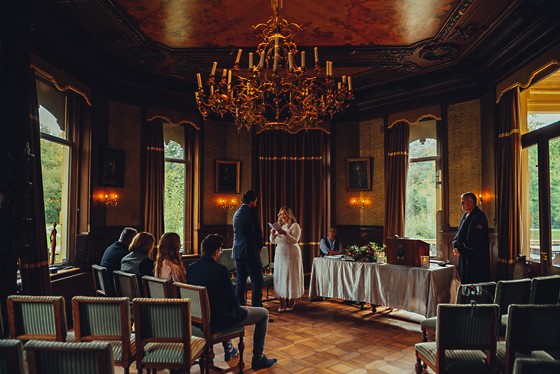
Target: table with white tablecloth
column 414, row 289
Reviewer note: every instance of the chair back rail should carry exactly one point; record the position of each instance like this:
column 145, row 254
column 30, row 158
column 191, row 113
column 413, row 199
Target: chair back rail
column 102, row 281
column 512, row 292
column 157, row 288
column 545, row 290
column 37, row 317
column 126, row 284
column 11, row 356
column 69, row 358
column 105, row 319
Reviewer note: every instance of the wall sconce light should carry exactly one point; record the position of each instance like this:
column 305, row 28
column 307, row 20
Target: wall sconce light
column 109, row 199
column 227, row 204
column 359, row 203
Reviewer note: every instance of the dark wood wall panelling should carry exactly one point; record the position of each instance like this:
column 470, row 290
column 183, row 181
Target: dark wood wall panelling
column 359, row 235
column 225, row 230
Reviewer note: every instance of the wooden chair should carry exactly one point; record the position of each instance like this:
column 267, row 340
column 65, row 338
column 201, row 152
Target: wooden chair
column 157, row 288
column 200, row 316
column 105, row 319
column 11, row 356
column 164, row 336
column 511, row 292
column 38, row 318
column 68, row 358
column 102, row 281
column 428, row 325
column 531, row 330
column 465, row 340
column 545, row 290
column 126, row 285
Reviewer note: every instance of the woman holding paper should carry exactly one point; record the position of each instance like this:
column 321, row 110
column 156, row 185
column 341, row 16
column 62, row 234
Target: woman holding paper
column 288, row 266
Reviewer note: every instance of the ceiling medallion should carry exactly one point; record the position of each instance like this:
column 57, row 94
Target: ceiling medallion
column 274, row 92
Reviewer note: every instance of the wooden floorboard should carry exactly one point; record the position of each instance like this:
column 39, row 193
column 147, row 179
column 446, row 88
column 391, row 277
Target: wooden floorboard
column 332, row 337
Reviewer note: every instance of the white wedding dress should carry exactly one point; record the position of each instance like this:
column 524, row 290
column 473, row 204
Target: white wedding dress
column 288, row 266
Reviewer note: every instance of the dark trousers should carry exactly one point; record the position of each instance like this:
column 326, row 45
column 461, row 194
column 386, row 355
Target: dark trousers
column 249, row 267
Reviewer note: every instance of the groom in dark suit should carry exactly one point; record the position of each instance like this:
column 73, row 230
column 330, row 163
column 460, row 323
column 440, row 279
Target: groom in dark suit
column 247, row 244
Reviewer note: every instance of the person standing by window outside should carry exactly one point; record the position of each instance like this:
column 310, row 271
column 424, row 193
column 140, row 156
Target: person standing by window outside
column 288, row 265
column 472, row 243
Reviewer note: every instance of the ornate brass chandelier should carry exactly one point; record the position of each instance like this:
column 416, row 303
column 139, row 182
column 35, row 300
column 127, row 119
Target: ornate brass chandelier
column 275, row 92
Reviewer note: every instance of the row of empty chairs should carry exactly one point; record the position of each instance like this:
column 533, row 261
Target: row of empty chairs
column 539, row 290
column 467, row 339
column 108, row 319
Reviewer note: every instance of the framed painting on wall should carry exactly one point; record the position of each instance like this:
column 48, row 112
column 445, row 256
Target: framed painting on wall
column 112, row 168
column 358, row 174
column 227, row 176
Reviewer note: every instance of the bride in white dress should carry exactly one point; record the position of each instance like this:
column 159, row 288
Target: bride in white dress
column 288, row 266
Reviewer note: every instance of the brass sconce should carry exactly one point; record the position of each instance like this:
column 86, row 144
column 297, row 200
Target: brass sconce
column 359, row 203
column 109, row 199
column 227, row 204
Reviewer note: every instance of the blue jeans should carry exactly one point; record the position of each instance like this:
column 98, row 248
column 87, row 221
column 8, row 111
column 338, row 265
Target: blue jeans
column 259, row 317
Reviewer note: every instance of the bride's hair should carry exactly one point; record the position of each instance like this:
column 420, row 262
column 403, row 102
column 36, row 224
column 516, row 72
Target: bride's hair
column 289, row 213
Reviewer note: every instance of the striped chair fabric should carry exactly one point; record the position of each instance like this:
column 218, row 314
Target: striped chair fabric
column 428, row 325
column 531, row 330
column 465, row 340
column 157, row 288
column 11, row 356
column 511, row 292
column 545, row 290
column 535, row 366
column 163, row 335
column 200, row 318
column 102, row 281
column 126, row 284
column 105, row 319
column 38, row 318
column 68, row 358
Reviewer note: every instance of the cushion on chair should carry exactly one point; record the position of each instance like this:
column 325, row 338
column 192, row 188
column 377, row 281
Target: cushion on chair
column 117, row 348
column 429, row 323
column 170, row 352
column 456, row 360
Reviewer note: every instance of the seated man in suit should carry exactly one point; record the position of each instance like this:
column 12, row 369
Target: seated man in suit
column 114, row 254
column 225, row 310
column 331, row 245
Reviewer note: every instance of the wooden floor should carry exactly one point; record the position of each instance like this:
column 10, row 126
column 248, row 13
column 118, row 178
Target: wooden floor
column 332, row 337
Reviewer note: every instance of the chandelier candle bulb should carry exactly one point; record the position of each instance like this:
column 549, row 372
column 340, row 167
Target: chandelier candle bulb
column 344, row 79
column 238, row 56
column 275, row 60
column 250, row 60
column 199, row 79
column 214, row 66
column 339, row 85
column 291, row 61
column 229, row 78
column 261, row 62
column 316, row 50
column 350, row 83
column 302, row 59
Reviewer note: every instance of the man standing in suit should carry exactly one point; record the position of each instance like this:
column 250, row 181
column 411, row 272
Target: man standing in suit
column 472, row 243
column 247, row 244
column 225, row 311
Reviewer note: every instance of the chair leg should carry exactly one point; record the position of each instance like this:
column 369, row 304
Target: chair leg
column 424, row 334
column 418, row 367
column 241, row 347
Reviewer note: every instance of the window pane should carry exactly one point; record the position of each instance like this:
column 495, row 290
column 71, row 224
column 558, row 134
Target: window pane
column 423, row 141
column 554, row 151
column 174, row 201
column 52, row 111
column 534, row 203
column 174, row 142
column 538, row 120
column 55, row 166
column 421, row 201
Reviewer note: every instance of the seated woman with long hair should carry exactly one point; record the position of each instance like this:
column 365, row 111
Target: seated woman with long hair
column 168, row 261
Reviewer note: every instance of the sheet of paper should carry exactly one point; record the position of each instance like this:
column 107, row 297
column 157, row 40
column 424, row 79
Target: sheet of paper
column 276, row 226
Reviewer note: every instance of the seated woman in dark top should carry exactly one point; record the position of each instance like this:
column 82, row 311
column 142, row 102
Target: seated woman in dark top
column 139, row 259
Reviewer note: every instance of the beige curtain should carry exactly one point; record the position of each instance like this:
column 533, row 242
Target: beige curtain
column 508, row 182
column 396, row 168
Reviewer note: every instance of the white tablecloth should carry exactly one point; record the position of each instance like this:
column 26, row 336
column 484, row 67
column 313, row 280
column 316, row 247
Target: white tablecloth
column 414, row 289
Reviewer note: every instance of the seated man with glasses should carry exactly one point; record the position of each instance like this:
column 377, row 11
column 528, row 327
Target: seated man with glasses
column 225, row 311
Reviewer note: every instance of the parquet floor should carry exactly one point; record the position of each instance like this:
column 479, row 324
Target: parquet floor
column 332, row 337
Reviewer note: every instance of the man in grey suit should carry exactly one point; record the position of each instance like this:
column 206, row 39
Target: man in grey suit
column 247, row 244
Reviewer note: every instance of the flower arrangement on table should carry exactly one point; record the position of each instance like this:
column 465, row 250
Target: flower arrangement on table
column 365, row 253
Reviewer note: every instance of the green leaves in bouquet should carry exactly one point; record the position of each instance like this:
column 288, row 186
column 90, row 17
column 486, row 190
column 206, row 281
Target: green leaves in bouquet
column 365, row 253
